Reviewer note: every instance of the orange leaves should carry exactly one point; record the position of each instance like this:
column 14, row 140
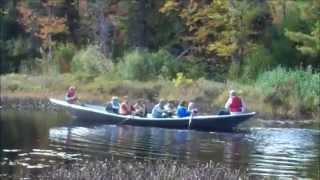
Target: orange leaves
column 50, row 26
column 40, row 25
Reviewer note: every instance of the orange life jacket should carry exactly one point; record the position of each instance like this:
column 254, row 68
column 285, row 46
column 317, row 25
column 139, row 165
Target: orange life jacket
column 125, row 109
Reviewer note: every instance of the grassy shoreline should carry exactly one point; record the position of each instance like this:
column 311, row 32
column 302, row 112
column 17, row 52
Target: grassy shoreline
column 208, row 95
column 159, row 169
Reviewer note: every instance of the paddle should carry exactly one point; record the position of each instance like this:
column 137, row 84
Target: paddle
column 124, row 121
column 79, row 102
column 190, row 120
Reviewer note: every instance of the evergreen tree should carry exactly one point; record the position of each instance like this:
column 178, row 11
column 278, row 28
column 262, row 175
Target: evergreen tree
column 308, row 43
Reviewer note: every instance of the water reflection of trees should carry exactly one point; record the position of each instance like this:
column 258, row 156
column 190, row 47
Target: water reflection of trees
column 24, row 131
column 260, row 151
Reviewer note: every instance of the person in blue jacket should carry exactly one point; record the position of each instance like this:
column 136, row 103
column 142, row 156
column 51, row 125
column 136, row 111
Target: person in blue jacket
column 182, row 110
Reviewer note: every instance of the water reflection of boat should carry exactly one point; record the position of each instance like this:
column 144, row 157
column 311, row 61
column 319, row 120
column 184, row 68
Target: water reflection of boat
column 201, row 122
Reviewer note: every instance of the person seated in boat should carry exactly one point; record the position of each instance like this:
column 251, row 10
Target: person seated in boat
column 71, row 95
column 235, row 104
column 192, row 108
column 182, row 110
column 158, row 110
column 170, row 109
column 125, row 107
column 113, row 105
column 140, row 108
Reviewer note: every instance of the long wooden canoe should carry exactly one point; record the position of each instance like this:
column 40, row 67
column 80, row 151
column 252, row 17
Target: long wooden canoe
column 199, row 122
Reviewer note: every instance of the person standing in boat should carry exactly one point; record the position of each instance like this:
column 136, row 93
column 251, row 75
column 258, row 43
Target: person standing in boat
column 235, row 104
column 158, row 110
column 182, row 110
column 125, row 107
column 113, row 105
column 71, row 95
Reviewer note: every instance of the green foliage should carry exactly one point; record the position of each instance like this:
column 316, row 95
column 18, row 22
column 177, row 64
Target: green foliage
column 283, row 86
column 154, row 32
column 283, row 52
column 307, row 39
column 309, row 43
column 293, row 19
column 234, row 72
column 63, row 54
column 258, row 60
column 137, row 65
column 143, row 65
column 91, row 62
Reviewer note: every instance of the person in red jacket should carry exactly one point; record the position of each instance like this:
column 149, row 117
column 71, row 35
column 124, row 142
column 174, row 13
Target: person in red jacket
column 235, row 104
column 71, row 95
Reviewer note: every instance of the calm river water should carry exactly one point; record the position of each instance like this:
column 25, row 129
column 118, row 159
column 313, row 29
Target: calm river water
column 36, row 140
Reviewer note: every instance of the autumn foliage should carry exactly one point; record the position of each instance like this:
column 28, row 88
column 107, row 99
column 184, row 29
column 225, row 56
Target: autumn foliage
column 41, row 26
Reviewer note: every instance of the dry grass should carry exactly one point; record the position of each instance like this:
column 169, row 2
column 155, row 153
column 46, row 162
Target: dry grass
column 161, row 169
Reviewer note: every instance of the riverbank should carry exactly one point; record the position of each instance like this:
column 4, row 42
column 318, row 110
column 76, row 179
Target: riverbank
column 33, row 91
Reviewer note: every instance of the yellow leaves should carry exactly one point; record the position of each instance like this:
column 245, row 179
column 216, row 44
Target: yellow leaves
column 202, row 34
column 169, row 5
column 209, row 25
column 52, row 25
column 222, row 48
column 182, row 81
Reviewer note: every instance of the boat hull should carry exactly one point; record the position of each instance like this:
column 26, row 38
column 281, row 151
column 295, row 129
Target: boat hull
column 205, row 123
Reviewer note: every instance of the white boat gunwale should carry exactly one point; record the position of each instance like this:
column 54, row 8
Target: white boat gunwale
column 91, row 109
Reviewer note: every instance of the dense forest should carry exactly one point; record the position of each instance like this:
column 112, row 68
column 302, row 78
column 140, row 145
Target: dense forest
column 215, row 39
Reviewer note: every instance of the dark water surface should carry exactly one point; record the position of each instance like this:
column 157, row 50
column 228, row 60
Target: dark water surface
column 36, row 140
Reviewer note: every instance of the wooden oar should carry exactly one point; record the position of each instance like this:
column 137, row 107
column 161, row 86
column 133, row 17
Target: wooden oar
column 125, row 120
column 190, row 120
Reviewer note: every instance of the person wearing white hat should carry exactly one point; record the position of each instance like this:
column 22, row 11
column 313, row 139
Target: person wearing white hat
column 113, row 105
column 235, row 104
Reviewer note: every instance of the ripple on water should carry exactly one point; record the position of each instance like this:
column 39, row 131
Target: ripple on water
column 283, row 152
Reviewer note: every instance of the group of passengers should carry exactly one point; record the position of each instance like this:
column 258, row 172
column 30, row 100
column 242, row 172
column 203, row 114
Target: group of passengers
column 163, row 109
column 166, row 109
column 125, row 108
